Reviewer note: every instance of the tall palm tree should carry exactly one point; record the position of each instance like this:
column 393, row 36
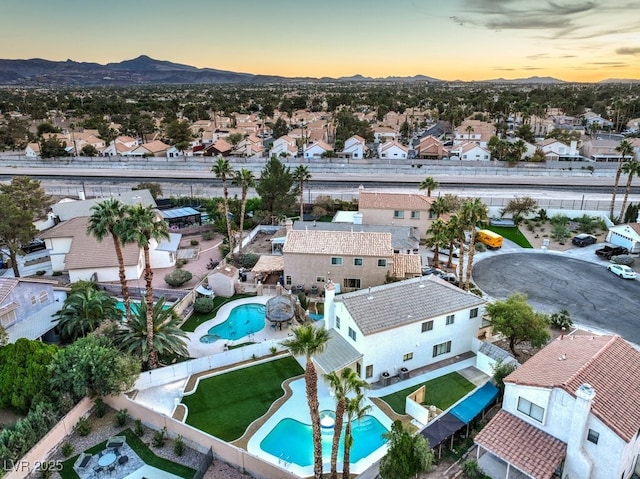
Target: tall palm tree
column 222, row 169
column 84, row 310
column 631, row 168
column 438, row 207
column 472, row 213
column 301, row 175
column 355, row 411
column 142, row 226
column 342, row 384
column 625, row 148
column 106, row 219
column 429, row 184
column 168, row 338
column 469, row 130
column 245, row 180
column 454, row 233
column 436, row 238
column 309, row 341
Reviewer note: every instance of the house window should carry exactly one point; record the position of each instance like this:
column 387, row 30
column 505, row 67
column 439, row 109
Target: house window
column 473, row 313
column 442, row 348
column 415, row 215
column 353, row 283
column 432, row 215
column 358, row 261
column 382, row 263
column 319, row 279
column 427, row 326
column 450, row 319
column 337, row 322
column 336, row 261
column 352, row 334
column 532, row 410
column 288, row 280
column 358, row 369
column 34, row 300
column 398, row 214
column 44, row 296
column 593, row 436
column 369, row 371
column 8, row 318
column 407, row 357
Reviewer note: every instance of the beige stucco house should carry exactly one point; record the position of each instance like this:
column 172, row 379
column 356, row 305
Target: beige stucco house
column 400, row 209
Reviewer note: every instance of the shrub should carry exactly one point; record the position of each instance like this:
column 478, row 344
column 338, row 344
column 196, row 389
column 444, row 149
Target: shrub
column 40, row 272
column 203, row 305
column 178, row 446
column 99, row 407
column 138, row 428
column 542, row 215
column 82, row 427
column 249, row 260
column 178, row 277
column 561, row 319
column 159, row 437
column 273, row 350
column 56, row 273
column 181, row 262
column 472, row 470
column 560, row 220
column 67, row 449
column 121, row 417
column 194, row 242
column 480, row 247
column 623, row 259
column 207, row 236
column 500, row 371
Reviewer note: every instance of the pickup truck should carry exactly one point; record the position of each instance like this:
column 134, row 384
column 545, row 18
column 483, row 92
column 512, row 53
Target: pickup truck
column 606, row 252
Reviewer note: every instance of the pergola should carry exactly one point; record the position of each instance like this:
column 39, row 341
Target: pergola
column 280, row 309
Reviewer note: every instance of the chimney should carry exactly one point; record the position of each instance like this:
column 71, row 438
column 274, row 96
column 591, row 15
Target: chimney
column 329, row 304
column 573, row 148
column 578, row 463
column 288, row 225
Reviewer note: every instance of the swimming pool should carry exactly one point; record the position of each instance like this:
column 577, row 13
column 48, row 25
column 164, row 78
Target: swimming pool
column 290, row 440
column 243, row 320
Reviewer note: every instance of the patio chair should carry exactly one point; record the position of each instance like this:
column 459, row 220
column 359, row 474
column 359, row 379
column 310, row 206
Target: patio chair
column 98, row 469
column 123, row 460
column 111, row 468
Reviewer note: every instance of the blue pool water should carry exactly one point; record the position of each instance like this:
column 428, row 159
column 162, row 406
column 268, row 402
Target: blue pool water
column 243, row 320
column 316, row 317
column 291, row 440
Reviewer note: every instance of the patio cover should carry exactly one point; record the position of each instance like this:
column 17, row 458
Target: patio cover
column 522, row 445
column 280, row 309
column 442, row 429
column 204, row 291
column 469, row 408
column 269, row 264
column 338, row 353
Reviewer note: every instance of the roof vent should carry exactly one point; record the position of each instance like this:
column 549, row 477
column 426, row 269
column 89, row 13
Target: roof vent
column 369, row 296
column 562, row 358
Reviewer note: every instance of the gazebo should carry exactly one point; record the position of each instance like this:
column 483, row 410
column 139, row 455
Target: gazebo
column 280, row 309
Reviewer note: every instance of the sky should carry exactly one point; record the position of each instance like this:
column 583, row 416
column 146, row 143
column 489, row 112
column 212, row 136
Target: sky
column 573, row 40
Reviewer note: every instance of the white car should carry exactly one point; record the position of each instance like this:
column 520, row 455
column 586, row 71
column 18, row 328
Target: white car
column 622, row 271
column 444, row 251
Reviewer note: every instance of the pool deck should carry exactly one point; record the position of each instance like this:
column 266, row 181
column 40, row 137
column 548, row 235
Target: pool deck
column 198, row 349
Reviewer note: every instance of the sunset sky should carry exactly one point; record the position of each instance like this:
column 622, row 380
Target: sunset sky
column 446, row 39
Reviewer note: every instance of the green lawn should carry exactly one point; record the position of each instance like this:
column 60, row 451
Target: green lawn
column 141, row 450
column 225, row 405
column 512, row 234
column 441, row 392
column 197, row 319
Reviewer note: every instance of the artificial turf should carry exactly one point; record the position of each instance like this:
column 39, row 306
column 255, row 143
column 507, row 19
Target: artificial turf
column 512, row 234
column 196, row 319
column 226, row 404
column 441, row 392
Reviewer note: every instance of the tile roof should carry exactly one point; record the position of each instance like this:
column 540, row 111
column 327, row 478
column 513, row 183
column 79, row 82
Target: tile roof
column 607, row 363
column 522, row 445
column 405, row 302
column 393, row 201
column 339, row 242
column 71, row 209
column 86, row 251
column 406, row 265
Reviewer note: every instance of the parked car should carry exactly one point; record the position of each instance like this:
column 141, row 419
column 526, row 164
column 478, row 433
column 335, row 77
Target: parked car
column 449, row 278
column 34, row 245
column 427, row 270
column 607, row 252
column 584, row 239
column 444, row 251
column 622, row 271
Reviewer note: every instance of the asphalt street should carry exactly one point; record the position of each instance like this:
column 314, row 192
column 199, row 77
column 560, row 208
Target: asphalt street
column 596, row 299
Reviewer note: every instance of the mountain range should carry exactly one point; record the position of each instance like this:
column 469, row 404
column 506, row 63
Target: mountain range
column 144, row 70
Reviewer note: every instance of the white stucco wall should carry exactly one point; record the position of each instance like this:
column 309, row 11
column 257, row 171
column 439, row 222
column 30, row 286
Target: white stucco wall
column 104, row 274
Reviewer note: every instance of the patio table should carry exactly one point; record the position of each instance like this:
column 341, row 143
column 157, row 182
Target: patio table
column 108, row 459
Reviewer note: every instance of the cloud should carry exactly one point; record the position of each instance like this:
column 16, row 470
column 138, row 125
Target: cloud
column 628, row 51
column 546, row 56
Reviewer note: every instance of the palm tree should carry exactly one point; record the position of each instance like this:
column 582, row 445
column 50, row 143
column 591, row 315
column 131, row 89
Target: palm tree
column 309, row 341
column 301, row 175
column 625, row 148
column 84, row 310
column 472, row 213
column 631, row 168
column 436, row 238
column 438, row 207
column 342, row 384
column 106, row 219
column 245, row 180
column 469, row 130
column 222, row 169
column 168, row 338
column 429, row 184
column 141, row 226
column 355, row 411
column 454, row 233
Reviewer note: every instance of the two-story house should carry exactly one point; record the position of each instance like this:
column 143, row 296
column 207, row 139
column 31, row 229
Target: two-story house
column 571, row 411
column 602, row 150
column 408, row 324
column 284, row 147
column 354, row 147
column 430, row 148
column 401, row 209
column 316, row 150
column 392, row 150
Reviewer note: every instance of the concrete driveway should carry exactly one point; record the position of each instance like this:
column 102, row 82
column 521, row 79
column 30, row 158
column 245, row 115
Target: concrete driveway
column 596, row 299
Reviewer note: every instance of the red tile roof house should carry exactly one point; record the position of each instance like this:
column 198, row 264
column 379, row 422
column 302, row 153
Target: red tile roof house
column 571, row 411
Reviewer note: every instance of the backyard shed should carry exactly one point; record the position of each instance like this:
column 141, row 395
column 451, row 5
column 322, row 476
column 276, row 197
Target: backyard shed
column 222, row 280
